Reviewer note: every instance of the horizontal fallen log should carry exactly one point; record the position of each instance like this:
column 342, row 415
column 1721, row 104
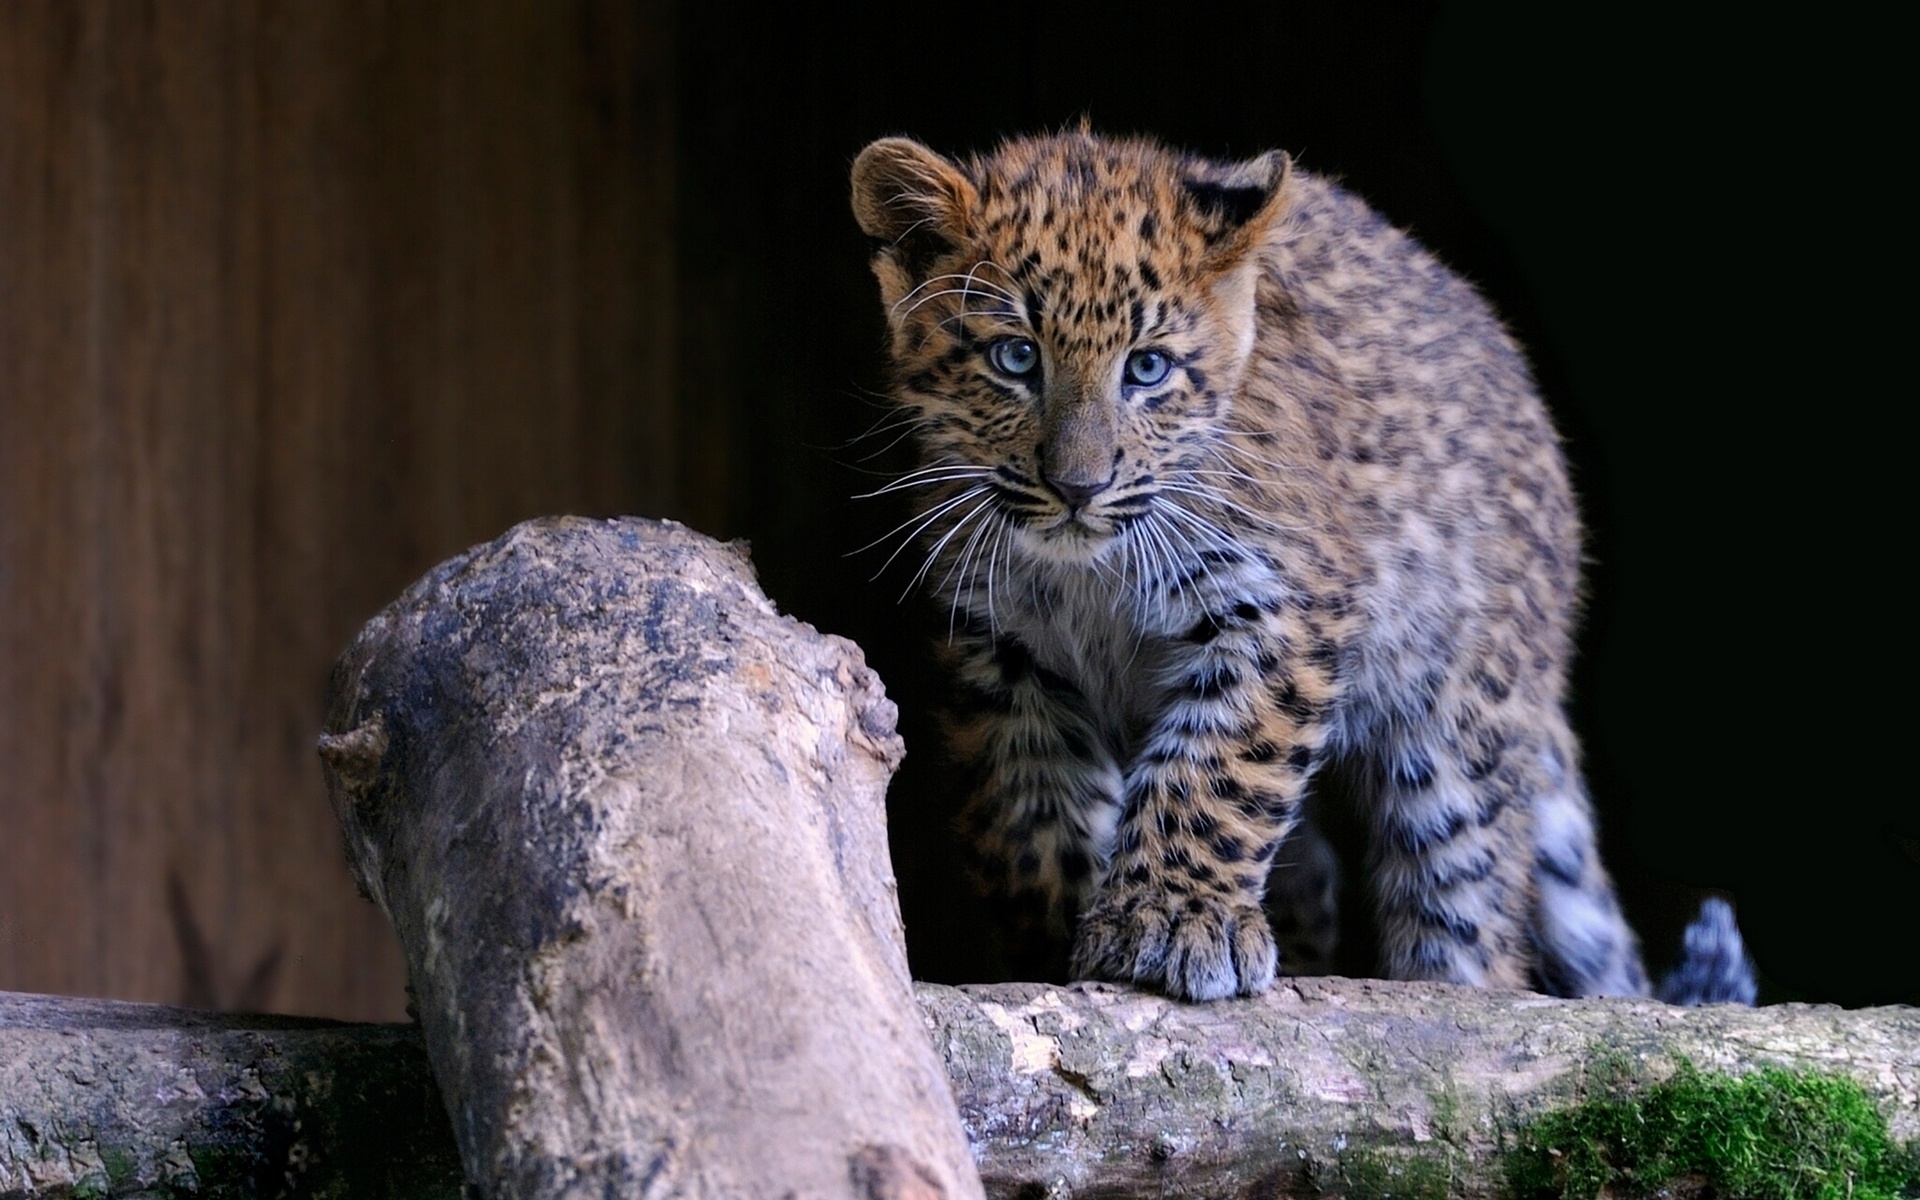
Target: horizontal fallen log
column 1339, row 1087
column 1323, row 1087
column 101, row 1098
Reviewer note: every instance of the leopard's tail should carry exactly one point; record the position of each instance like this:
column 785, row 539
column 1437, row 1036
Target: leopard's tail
column 1713, row 967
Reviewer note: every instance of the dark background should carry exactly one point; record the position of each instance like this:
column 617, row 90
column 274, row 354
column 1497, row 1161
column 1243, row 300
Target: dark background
column 296, row 302
column 1646, row 203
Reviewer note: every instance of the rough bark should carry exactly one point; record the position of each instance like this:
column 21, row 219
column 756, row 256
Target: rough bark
column 101, row 1098
column 1323, row 1087
column 1335, row 1086
column 629, row 824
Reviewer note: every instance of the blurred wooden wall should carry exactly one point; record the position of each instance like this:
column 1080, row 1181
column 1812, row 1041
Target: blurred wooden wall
column 295, row 301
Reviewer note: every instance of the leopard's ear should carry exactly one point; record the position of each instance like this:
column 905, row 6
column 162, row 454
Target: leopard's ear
column 911, row 201
column 1236, row 204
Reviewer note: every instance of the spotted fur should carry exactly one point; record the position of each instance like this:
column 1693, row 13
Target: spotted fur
column 1336, row 532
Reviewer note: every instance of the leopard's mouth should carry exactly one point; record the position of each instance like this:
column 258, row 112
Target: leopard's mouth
column 1070, row 539
column 1078, row 526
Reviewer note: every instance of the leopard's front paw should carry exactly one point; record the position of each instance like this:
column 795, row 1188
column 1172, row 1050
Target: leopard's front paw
column 1191, row 947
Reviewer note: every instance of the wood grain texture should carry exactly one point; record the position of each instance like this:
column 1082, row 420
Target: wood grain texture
column 629, row 822
column 294, row 302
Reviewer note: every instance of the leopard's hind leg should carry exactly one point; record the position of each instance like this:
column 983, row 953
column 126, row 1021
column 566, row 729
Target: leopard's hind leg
column 1585, row 945
column 1482, row 854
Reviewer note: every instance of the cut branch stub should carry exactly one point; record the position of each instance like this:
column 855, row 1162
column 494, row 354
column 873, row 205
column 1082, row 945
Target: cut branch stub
column 629, row 824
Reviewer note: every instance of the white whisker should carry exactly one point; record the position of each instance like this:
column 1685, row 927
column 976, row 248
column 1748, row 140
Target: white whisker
column 908, row 422
column 934, row 553
column 927, row 476
column 907, row 428
column 1186, row 538
column 1213, row 496
column 919, row 523
column 1163, row 551
column 1244, row 452
column 965, row 296
column 967, row 281
column 960, row 565
column 999, row 539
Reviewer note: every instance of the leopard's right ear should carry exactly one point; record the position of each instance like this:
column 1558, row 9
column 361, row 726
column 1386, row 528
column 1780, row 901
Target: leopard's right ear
column 1236, row 205
column 912, row 202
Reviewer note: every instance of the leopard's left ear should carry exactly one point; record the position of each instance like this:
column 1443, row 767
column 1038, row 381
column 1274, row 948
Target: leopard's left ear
column 1237, row 204
column 912, row 202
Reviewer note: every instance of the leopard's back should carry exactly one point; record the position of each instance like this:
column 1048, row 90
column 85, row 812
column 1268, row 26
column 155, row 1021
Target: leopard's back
column 1420, row 414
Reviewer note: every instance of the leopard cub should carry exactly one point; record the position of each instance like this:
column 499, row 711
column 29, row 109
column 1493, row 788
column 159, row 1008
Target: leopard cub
column 1230, row 484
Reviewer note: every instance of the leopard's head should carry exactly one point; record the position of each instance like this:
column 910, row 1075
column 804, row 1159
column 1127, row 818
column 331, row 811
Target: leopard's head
column 1070, row 317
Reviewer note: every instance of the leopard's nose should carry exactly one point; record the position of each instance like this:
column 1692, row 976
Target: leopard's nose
column 1077, row 491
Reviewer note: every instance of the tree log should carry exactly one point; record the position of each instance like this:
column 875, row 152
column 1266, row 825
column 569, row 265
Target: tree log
column 629, row 824
column 1339, row 1087
column 103, row 1098
column 1323, row 1087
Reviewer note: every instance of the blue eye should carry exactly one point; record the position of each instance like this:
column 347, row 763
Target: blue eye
column 1014, row 356
column 1147, row 367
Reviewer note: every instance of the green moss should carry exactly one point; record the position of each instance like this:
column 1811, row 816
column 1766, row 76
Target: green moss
column 1432, row 1170
column 1380, row 1175
column 1770, row 1135
column 120, row 1163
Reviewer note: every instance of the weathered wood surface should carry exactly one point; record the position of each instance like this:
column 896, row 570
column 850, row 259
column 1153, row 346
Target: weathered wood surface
column 1323, row 1087
column 629, row 823
column 1334, row 1086
column 105, row 1098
